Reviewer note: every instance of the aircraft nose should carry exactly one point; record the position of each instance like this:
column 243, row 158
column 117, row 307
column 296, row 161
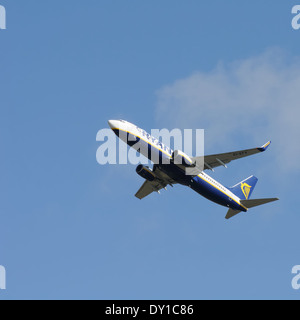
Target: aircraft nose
column 113, row 123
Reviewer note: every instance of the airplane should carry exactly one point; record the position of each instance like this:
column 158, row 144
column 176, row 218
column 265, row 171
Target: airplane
column 164, row 173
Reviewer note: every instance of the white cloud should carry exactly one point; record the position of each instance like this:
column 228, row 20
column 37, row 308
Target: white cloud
column 253, row 99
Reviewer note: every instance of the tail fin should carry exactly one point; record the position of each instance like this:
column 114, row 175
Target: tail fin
column 245, row 188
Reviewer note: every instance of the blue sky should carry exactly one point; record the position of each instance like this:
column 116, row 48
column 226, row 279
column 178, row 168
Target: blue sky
column 72, row 229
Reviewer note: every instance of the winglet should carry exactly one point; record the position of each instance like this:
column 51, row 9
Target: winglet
column 264, row 147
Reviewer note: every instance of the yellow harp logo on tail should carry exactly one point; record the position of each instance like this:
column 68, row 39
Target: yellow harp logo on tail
column 246, row 189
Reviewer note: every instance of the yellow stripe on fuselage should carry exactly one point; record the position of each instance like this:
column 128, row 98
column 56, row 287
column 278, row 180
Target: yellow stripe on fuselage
column 222, row 191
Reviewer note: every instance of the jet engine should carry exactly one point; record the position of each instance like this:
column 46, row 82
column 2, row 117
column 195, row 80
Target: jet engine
column 180, row 158
column 145, row 172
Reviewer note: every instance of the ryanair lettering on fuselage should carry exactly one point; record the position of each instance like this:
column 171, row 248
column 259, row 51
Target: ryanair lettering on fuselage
column 154, row 142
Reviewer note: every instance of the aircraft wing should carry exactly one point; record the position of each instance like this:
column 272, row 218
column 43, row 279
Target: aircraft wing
column 216, row 160
column 161, row 182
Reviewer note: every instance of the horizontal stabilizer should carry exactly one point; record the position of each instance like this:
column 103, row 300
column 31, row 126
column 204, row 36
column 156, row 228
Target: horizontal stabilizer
column 231, row 213
column 256, row 202
column 249, row 204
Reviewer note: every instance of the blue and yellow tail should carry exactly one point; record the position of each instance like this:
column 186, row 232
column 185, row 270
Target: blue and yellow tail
column 244, row 189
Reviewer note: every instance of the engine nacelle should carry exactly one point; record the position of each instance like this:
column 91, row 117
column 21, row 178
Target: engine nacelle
column 145, row 172
column 180, row 158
